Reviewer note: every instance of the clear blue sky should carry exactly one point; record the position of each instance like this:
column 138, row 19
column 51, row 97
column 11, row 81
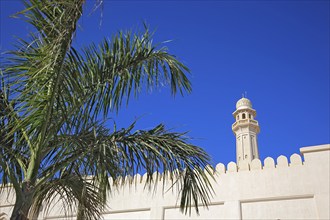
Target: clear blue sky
column 277, row 51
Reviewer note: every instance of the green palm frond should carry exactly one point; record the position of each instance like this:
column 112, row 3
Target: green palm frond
column 126, row 153
column 12, row 157
column 115, row 68
column 73, row 193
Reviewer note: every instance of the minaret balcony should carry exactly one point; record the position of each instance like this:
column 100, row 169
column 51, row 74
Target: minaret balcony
column 245, row 122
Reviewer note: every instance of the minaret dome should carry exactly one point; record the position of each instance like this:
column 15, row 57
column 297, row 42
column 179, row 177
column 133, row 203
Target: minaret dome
column 243, row 103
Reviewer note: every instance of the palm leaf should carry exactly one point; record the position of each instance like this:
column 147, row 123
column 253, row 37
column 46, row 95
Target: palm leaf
column 73, row 193
column 126, row 153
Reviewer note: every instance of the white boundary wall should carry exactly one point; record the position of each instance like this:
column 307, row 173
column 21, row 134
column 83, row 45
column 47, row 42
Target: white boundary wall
column 285, row 189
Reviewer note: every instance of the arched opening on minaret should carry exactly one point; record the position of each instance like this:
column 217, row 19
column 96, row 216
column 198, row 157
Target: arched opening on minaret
column 243, row 116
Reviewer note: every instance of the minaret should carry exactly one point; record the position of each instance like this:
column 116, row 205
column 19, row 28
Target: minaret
column 246, row 130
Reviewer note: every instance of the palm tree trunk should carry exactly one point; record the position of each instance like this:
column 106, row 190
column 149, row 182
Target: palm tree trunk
column 23, row 202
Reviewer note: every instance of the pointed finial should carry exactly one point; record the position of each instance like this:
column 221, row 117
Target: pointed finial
column 245, row 94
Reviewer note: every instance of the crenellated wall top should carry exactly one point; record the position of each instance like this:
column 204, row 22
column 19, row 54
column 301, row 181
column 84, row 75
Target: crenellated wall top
column 295, row 160
column 256, row 164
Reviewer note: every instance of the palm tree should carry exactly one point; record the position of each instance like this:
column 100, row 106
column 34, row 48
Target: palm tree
column 54, row 101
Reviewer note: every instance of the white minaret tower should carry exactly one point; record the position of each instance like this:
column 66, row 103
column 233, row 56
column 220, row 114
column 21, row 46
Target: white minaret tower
column 246, row 130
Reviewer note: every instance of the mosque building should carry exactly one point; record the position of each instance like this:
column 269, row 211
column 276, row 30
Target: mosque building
column 283, row 188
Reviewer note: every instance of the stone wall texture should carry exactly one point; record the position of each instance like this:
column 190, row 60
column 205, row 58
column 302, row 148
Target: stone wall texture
column 285, row 188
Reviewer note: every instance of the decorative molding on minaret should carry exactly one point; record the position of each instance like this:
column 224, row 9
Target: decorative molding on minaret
column 246, row 129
